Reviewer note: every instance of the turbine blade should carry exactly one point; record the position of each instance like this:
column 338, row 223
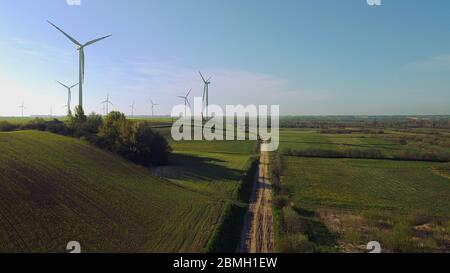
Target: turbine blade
column 62, row 84
column 209, row 79
column 181, row 97
column 202, row 76
column 96, row 40
column 188, row 93
column 73, row 86
column 65, row 34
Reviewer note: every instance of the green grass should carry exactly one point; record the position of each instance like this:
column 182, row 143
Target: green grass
column 20, row 120
column 56, row 189
column 367, row 184
column 364, row 200
column 210, row 167
column 388, row 143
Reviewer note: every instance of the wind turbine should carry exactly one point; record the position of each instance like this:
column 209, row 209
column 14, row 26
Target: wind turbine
column 80, row 48
column 106, row 103
column 69, row 95
column 132, row 109
column 22, row 107
column 153, row 107
column 186, row 101
column 205, row 91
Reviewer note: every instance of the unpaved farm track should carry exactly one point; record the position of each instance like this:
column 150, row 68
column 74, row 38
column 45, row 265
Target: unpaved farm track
column 258, row 234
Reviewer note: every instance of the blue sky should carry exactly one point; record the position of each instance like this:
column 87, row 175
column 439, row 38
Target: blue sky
column 312, row 57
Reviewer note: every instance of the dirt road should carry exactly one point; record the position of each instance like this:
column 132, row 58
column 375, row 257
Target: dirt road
column 258, row 234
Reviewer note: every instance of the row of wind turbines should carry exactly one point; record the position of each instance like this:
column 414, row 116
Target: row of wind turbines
column 80, row 48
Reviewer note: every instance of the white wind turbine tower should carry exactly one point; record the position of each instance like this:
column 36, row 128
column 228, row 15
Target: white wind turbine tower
column 22, row 107
column 106, row 104
column 153, row 107
column 69, row 95
column 186, row 101
column 80, row 48
column 205, row 92
column 132, row 109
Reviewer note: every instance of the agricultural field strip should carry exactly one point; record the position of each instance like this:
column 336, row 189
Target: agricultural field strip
column 39, row 165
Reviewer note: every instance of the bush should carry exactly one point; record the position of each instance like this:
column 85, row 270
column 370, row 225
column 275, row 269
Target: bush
column 93, row 123
column 399, row 239
column 148, row 148
column 7, row 127
column 244, row 190
column 296, row 243
column 136, row 142
column 419, row 217
column 280, row 201
column 57, row 127
column 36, row 124
column 115, row 131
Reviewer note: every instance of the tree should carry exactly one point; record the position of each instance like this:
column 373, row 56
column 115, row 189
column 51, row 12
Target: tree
column 149, row 148
column 93, row 123
column 115, row 133
column 80, row 117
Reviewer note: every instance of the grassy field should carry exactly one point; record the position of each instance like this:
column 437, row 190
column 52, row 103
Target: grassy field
column 56, row 189
column 20, row 120
column 211, row 167
column 388, row 143
column 341, row 204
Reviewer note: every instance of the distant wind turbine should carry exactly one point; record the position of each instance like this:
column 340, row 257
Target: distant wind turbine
column 22, row 107
column 205, row 92
column 106, row 104
column 80, row 48
column 186, row 101
column 69, row 95
column 153, row 107
column 132, row 109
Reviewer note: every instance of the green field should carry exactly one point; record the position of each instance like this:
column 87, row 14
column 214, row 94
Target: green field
column 211, row 167
column 354, row 184
column 20, row 120
column 404, row 205
column 56, row 189
column 388, row 143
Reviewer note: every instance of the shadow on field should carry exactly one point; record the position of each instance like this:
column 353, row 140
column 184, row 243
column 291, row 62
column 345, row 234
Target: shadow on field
column 187, row 167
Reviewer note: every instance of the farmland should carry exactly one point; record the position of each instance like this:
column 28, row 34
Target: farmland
column 340, row 204
column 389, row 143
column 212, row 167
column 57, row 189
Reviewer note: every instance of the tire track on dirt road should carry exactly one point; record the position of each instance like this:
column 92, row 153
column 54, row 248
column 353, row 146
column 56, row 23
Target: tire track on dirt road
column 258, row 233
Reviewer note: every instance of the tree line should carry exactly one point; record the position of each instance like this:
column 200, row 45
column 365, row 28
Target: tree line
column 135, row 141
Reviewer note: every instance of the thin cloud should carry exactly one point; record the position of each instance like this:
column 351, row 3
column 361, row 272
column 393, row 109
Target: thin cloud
column 435, row 63
column 41, row 52
column 170, row 78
